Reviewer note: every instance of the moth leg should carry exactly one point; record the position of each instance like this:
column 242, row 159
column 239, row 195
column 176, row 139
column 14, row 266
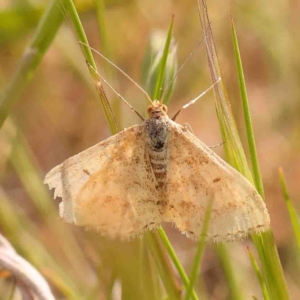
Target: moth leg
column 218, row 145
column 188, row 127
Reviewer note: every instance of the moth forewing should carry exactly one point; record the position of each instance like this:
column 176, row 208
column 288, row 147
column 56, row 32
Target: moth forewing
column 108, row 187
column 194, row 175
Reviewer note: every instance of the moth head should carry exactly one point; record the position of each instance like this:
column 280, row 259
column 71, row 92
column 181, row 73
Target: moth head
column 157, row 110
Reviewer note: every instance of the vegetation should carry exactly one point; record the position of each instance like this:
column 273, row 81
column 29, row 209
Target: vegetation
column 50, row 110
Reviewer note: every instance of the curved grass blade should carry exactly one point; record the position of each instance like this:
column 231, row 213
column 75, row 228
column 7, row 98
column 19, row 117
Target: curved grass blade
column 162, row 67
column 24, row 272
column 14, row 221
column 291, row 208
column 250, row 134
column 31, row 57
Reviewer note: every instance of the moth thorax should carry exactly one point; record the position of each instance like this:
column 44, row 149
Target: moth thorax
column 157, row 130
column 157, row 110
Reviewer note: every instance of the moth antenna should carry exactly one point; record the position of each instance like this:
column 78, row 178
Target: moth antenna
column 196, row 99
column 119, row 69
column 181, row 67
column 118, row 95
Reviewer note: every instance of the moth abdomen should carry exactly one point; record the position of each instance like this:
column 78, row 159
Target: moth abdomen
column 157, row 131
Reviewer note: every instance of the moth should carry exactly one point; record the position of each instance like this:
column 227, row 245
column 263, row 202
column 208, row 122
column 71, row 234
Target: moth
column 156, row 172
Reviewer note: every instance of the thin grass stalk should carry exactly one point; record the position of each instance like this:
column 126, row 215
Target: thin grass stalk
column 176, row 262
column 259, row 276
column 147, row 280
column 153, row 278
column 25, row 166
column 13, row 290
column 26, row 241
column 234, row 288
column 232, row 146
column 199, row 252
column 80, row 33
column 100, row 6
column 291, row 208
column 160, row 78
column 87, row 53
column 247, row 116
column 31, row 57
column 165, row 272
column 264, row 243
column 72, row 56
column 163, row 236
column 23, row 161
column 106, row 51
column 109, row 293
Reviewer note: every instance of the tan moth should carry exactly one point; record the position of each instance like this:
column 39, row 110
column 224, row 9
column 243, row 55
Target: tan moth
column 156, row 172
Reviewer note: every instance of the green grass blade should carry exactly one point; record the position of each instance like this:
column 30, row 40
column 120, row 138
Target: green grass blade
column 265, row 243
column 157, row 77
column 149, row 282
column 291, row 208
column 100, row 5
column 160, row 79
column 154, row 246
column 259, row 276
column 106, row 51
column 234, row 288
column 163, row 266
column 16, row 22
column 233, row 148
column 26, row 168
column 250, row 134
column 80, row 33
column 87, row 53
column 31, row 57
column 199, row 252
column 151, row 66
column 176, row 261
column 151, row 239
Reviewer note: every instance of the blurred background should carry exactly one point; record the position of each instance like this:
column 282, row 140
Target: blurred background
column 58, row 115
